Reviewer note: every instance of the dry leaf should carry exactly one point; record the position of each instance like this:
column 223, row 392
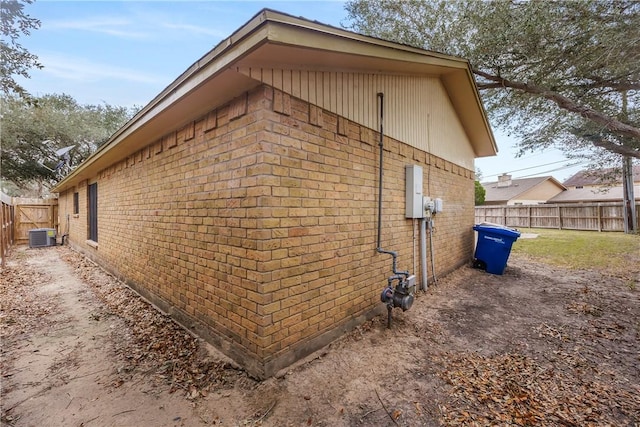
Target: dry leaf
column 418, row 408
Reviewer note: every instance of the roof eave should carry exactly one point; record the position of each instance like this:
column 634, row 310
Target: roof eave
column 219, row 58
column 455, row 73
column 272, row 27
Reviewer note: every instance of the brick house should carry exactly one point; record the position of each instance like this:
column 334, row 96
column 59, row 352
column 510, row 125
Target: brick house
column 243, row 199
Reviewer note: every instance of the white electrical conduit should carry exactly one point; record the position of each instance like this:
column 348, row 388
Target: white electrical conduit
column 423, row 253
column 413, row 227
column 433, row 256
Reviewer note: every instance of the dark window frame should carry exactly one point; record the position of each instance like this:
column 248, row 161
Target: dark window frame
column 76, row 203
column 92, row 212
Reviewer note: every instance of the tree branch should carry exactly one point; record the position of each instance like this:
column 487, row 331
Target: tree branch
column 616, row 86
column 490, row 86
column 615, row 148
column 613, row 125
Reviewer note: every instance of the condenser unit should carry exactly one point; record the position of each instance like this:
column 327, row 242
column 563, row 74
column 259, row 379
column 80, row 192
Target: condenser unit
column 41, row 237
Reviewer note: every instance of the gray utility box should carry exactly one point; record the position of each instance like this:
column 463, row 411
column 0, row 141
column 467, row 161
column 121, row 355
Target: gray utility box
column 42, row 237
column 413, row 192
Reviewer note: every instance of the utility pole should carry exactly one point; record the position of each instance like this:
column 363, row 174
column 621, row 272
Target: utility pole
column 629, row 214
column 628, row 198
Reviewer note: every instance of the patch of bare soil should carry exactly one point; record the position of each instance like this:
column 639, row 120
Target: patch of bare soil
column 537, row 346
column 81, row 349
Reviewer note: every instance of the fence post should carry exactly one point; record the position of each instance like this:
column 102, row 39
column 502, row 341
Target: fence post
column 3, row 254
column 599, row 211
column 6, row 227
column 559, row 217
column 529, row 215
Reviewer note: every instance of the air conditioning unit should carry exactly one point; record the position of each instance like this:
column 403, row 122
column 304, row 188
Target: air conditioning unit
column 42, row 237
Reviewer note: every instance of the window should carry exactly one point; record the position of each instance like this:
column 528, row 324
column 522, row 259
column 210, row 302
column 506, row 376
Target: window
column 92, row 195
column 76, row 204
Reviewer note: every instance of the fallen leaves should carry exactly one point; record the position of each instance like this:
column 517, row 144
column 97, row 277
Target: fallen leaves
column 150, row 342
column 584, row 308
column 22, row 307
column 564, row 367
column 513, row 389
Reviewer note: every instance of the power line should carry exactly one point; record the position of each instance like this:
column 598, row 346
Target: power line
column 552, row 170
column 543, row 165
column 539, row 166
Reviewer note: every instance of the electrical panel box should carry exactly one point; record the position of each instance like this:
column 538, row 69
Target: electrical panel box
column 414, row 204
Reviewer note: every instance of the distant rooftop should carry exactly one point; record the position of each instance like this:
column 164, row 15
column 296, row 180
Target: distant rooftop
column 574, row 195
column 599, row 177
column 507, row 188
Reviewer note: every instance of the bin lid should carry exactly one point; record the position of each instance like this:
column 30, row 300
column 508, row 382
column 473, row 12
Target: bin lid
column 497, row 229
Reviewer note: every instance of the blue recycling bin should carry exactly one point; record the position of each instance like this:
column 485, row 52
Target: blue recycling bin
column 493, row 247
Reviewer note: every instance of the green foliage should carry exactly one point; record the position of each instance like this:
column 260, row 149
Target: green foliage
column 15, row 59
column 551, row 73
column 480, row 193
column 33, row 130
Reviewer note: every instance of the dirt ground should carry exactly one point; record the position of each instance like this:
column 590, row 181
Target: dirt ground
column 537, row 346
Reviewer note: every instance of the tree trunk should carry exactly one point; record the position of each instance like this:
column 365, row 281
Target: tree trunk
column 630, row 218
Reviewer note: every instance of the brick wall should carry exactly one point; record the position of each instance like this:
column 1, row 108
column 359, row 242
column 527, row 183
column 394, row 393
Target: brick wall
column 255, row 225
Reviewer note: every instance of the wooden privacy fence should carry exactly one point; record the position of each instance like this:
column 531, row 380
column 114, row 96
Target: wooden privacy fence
column 6, row 231
column 33, row 213
column 19, row 215
column 570, row 216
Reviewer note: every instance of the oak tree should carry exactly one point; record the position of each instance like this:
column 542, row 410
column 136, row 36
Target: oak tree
column 15, row 60
column 561, row 73
column 34, row 131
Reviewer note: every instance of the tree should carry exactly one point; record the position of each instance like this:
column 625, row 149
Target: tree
column 15, row 60
column 550, row 73
column 480, row 193
column 32, row 132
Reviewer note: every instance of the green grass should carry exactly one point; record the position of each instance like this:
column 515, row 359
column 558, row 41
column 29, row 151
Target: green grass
column 614, row 253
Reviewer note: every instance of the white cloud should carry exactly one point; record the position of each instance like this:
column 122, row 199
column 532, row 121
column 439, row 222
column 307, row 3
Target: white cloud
column 78, row 69
column 138, row 26
column 118, row 27
column 195, row 29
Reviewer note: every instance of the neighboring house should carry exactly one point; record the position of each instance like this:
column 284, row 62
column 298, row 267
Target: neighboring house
column 243, row 199
column 596, row 187
column 522, row 191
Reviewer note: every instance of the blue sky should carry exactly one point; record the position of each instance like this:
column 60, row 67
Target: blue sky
column 126, row 52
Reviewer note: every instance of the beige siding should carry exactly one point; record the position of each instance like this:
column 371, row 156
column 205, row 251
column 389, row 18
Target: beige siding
column 538, row 194
column 417, row 108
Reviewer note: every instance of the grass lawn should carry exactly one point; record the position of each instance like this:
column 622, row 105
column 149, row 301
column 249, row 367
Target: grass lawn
column 614, row 253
